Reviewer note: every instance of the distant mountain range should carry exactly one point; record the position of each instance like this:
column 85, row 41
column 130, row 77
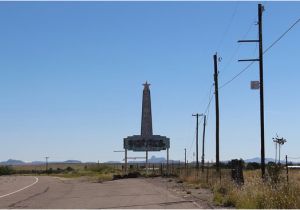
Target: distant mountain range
column 153, row 159
column 20, row 162
column 257, row 160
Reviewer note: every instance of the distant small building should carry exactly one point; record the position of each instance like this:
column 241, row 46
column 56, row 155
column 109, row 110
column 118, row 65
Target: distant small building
column 293, row 167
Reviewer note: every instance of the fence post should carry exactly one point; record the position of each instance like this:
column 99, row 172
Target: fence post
column 187, row 168
column 287, row 169
column 207, row 172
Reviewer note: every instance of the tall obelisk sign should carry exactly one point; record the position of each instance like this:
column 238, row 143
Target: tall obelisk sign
column 146, row 141
column 146, row 126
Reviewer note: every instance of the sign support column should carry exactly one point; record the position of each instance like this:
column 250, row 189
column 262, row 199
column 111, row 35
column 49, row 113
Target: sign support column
column 125, row 161
column 168, row 161
column 147, row 162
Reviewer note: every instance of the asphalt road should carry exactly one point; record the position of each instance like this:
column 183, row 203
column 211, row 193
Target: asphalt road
column 52, row 192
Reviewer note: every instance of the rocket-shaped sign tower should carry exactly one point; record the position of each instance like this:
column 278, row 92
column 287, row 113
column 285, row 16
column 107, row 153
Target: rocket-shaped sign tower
column 146, row 125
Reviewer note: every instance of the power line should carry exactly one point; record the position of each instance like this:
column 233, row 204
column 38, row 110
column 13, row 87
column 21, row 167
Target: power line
column 279, row 38
column 208, row 93
column 192, row 144
column 194, row 139
column 237, row 75
column 208, row 105
column 251, row 63
column 228, row 26
column 237, row 49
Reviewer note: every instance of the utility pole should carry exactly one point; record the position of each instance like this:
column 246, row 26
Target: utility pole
column 261, row 87
column 46, row 164
column 275, row 151
column 203, row 140
column 261, row 82
column 217, row 111
column 275, row 140
column 279, row 141
column 197, row 125
column 185, row 158
column 279, row 154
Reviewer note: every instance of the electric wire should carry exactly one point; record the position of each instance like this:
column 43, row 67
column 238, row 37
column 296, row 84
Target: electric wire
column 279, row 38
column 222, row 70
column 208, row 93
column 228, row 25
column 268, row 48
column 237, row 75
column 194, row 139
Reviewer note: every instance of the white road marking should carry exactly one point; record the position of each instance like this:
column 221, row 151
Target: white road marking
column 196, row 204
column 36, row 181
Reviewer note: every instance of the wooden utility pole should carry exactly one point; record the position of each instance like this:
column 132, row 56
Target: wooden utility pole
column 261, row 78
column 203, row 140
column 197, row 126
column 46, row 164
column 217, row 111
column 185, row 158
column 261, row 87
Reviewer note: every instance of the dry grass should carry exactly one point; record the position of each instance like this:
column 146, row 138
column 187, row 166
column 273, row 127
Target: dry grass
column 254, row 193
column 258, row 194
column 41, row 167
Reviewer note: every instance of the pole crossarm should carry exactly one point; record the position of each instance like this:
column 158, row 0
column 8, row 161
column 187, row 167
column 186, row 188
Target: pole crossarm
column 254, row 59
column 239, row 41
column 199, row 115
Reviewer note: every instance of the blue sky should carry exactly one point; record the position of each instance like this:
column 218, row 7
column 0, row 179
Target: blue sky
column 71, row 77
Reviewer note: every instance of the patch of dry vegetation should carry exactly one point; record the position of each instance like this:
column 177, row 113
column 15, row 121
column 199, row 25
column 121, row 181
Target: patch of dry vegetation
column 258, row 194
column 93, row 172
column 274, row 192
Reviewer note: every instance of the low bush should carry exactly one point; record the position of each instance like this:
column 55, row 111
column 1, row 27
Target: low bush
column 6, row 170
column 103, row 169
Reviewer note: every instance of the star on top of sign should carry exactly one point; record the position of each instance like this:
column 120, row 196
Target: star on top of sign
column 146, row 85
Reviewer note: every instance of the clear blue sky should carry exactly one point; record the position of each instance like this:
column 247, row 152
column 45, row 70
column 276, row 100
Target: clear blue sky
column 71, row 77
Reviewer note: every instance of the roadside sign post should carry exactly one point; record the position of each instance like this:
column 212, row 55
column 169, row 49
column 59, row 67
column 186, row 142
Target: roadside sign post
column 168, row 161
column 125, row 161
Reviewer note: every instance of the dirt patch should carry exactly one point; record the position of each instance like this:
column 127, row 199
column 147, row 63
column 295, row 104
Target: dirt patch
column 202, row 197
